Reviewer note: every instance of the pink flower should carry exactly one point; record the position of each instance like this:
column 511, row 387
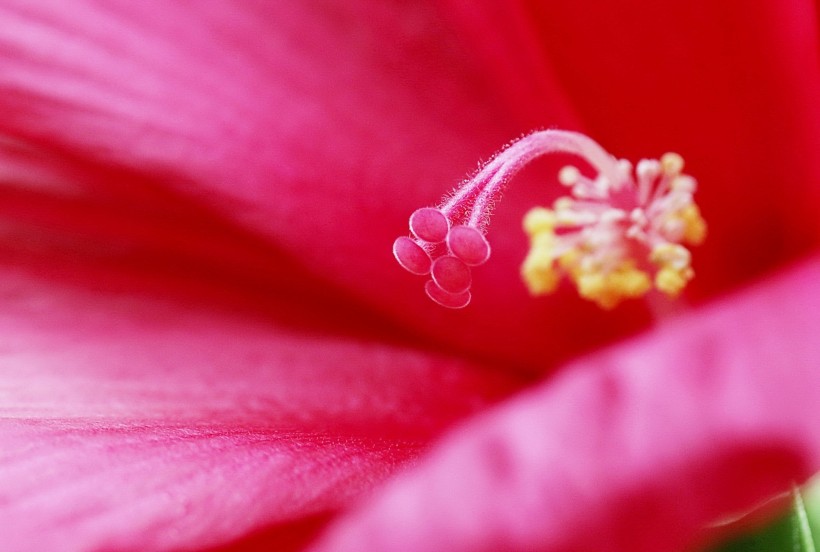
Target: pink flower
column 206, row 340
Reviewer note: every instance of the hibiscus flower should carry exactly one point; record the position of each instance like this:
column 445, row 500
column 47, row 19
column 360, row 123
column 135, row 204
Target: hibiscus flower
column 206, row 341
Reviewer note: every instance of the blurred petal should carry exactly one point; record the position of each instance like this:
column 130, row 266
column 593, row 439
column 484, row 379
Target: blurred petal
column 134, row 422
column 635, row 448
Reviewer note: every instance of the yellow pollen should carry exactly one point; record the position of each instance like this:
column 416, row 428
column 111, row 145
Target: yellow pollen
column 570, row 262
column 539, row 273
column 671, row 281
column 538, row 270
column 608, row 289
column 610, row 253
column 675, row 270
column 593, row 286
column 539, row 220
column 596, row 281
column 672, row 255
column 694, row 227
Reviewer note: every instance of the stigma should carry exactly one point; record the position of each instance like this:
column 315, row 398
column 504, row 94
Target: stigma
column 618, row 233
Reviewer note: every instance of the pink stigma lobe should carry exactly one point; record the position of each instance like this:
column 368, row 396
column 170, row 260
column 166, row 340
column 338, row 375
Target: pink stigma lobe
column 411, row 256
column 429, row 225
column 445, row 299
column 469, row 245
column 451, row 274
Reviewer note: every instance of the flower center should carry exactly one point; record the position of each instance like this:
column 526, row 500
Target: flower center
column 611, row 236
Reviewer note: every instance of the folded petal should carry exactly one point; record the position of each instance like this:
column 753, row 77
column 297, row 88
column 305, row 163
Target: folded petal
column 635, row 448
column 128, row 421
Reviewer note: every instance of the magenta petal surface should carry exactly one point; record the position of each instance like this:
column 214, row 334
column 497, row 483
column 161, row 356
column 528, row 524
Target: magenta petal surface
column 133, row 421
column 124, row 484
column 636, row 448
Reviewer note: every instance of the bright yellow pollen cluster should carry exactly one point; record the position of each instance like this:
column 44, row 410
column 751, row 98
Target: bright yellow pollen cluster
column 674, row 269
column 610, row 288
column 689, row 217
column 538, row 269
column 594, row 247
column 542, row 269
column 540, row 273
column 694, row 227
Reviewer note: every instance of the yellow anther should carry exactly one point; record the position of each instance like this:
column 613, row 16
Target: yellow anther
column 538, row 270
column 672, row 255
column 539, row 273
column 569, row 259
column 675, row 270
column 631, row 282
column 694, row 227
column 570, row 262
column 671, row 281
column 671, row 164
column 592, row 286
column 607, row 290
column 538, row 220
column 543, row 241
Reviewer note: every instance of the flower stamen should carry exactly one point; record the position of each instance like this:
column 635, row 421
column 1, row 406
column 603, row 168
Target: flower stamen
column 608, row 236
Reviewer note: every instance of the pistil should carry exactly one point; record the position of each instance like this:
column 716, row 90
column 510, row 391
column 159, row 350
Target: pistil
column 607, row 236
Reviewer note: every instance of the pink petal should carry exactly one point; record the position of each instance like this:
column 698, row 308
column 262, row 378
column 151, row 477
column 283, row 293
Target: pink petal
column 124, row 484
column 132, row 421
column 305, row 125
column 636, row 448
column 315, row 131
